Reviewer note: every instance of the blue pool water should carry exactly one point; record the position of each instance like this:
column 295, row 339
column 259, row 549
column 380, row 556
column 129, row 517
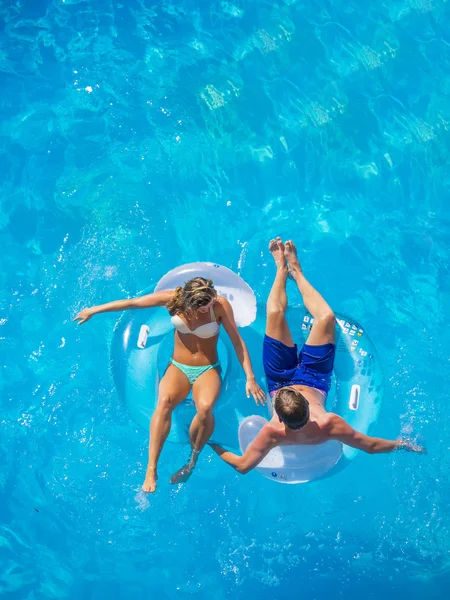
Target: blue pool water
column 137, row 136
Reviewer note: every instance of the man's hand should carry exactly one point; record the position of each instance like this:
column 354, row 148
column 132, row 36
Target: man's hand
column 84, row 316
column 217, row 449
column 251, row 387
column 256, row 451
column 409, row 446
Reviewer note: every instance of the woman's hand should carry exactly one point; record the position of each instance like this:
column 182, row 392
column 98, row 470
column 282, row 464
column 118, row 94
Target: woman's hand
column 84, row 315
column 251, row 387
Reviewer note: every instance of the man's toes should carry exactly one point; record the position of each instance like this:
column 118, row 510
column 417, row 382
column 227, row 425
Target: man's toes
column 290, row 246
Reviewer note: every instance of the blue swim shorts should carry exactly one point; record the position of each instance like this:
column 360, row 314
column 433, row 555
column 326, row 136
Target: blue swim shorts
column 284, row 365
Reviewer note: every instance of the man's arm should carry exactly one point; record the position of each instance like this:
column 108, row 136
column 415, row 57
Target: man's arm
column 339, row 429
column 258, row 449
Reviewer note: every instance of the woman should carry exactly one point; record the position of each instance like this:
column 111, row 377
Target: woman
column 197, row 313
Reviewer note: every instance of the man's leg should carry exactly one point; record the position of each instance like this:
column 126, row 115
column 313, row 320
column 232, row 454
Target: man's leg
column 276, row 324
column 323, row 329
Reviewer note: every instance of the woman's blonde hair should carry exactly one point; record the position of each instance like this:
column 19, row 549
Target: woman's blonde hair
column 195, row 293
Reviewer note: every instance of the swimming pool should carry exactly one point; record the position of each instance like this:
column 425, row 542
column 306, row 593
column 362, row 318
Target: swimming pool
column 136, row 136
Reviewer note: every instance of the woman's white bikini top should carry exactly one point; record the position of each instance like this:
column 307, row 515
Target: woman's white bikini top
column 206, row 331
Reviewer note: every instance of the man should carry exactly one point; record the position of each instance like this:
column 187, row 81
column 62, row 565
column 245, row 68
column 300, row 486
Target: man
column 299, row 384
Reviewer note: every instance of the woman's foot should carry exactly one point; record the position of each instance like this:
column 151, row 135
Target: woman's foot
column 149, row 484
column 183, row 474
column 290, row 254
column 276, row 248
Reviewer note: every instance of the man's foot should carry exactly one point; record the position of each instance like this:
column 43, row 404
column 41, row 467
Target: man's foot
column 290, row 253
column 183, row 474
column 149, row 484
column 276, row 248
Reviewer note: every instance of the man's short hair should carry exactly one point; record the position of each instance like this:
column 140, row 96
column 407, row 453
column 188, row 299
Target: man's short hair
column 292, row 408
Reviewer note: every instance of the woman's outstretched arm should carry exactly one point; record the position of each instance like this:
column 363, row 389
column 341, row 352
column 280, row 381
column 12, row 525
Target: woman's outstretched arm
column 147, row 301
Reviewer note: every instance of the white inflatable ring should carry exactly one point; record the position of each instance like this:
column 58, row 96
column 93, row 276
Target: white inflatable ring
column 356, row 397
column 143, row 344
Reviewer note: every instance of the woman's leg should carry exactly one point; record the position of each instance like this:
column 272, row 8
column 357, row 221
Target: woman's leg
column 173, row 389
column 205, row 392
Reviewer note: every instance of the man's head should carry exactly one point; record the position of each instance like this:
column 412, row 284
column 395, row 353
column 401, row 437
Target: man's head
column 292, row 408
